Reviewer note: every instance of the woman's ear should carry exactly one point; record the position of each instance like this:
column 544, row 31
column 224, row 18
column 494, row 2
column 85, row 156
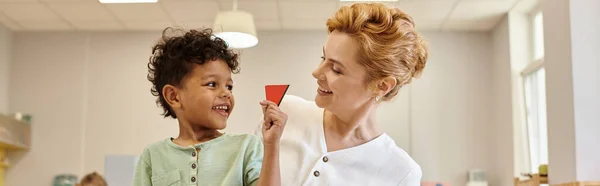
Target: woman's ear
column 171, row 95
column 386, row 85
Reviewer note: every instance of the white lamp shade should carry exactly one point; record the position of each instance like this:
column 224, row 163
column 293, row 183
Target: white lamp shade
column 236, row 28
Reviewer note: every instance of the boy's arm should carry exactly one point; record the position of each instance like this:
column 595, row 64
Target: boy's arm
column 269, row 174
column 270, row 171
column 274, row 121
column 143, row 172
column 260, row 169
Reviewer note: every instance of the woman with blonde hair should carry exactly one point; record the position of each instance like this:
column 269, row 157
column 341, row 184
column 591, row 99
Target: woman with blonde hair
column 370, row 53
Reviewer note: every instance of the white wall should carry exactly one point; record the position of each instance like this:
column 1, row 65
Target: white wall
column 501, row 148
column 5, row 57
column 559, row 92
column 511, row 55
column 450, row 107
column 520, row 57
column 585, row 43
column 90, row 98
column 46, row 80
column 571, row 44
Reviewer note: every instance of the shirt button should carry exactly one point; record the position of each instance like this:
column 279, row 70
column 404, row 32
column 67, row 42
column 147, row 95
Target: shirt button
column 316, row 173
column 325, row 159
column 193, row 154
column 193, row 179
column 193, row 166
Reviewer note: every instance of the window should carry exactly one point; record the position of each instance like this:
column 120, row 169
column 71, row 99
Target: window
column 534, row 82
column 538, row 36
column 535, row 107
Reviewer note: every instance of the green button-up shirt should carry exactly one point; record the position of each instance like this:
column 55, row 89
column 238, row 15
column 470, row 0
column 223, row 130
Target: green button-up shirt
column 228, row 160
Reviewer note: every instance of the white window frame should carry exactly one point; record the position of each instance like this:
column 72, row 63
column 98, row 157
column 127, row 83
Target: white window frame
column 534, row 66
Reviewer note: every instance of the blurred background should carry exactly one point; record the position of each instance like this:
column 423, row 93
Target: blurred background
column 502, row 77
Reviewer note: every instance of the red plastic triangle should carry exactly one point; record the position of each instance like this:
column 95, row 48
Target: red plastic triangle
column 275, row 93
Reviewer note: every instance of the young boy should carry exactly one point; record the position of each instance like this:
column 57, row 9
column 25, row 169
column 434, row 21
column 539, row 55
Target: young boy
column 191, row 76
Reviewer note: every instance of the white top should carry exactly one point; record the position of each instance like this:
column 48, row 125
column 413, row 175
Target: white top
column 304, row 158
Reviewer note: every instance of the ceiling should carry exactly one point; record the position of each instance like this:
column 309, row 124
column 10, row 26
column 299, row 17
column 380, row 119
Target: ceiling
column 90, row 15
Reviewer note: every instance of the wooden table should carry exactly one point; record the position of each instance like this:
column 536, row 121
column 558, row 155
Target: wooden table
column 534, row 180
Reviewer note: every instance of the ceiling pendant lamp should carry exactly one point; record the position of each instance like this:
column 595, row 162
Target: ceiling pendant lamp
column 236, row 28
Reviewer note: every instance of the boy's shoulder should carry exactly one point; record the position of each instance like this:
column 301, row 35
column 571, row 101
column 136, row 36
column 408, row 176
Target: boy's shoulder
column 157, row 146
column 244, row 137
column 154, row 150
column 160, row 143
column 243, row 140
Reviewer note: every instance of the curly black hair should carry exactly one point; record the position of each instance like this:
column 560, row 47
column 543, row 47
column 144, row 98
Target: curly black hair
column 173, row 58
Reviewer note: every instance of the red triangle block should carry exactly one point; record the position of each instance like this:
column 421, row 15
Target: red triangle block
column 275, row 93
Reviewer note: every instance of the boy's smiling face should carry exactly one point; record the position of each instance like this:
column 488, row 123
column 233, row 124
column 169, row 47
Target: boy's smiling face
column 205, row 96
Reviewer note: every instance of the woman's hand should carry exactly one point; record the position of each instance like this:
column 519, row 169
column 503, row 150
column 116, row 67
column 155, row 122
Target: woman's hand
column 274, row 122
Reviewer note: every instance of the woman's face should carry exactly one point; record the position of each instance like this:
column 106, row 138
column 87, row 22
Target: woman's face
column 341, row 79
